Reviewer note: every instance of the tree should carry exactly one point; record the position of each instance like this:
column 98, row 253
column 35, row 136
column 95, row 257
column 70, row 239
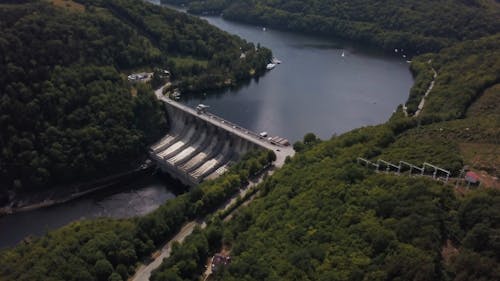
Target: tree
column 103, row 269
column 298, row 146
column 271, row 156
column 310, row 138
column 115, row 277
column 122, row 270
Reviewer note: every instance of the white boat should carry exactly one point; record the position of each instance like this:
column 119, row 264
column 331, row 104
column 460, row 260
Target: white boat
column 343, row 54
column 270, row 66
column 263, row 29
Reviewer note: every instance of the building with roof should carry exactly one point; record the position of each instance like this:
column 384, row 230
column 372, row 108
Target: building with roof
column 472, row 178
column 219, row 260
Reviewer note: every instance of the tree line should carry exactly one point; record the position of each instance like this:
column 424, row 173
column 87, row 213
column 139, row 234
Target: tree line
column 415, row 26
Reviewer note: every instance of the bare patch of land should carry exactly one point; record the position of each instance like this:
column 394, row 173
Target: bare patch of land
column 69, row 4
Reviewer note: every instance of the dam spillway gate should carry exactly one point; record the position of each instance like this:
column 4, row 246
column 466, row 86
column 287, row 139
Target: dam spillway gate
column 200, row 145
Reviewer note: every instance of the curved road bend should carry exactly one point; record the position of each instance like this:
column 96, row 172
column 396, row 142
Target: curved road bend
column 281, row 151
column 144, row 271
column 422, row 101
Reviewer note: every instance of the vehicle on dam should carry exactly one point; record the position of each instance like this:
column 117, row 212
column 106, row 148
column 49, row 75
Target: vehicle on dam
column 201, row 108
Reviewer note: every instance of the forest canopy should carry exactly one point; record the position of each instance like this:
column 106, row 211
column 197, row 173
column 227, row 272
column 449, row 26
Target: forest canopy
column 66, row 110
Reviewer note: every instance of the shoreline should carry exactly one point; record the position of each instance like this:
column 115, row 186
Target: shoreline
column 79, row 190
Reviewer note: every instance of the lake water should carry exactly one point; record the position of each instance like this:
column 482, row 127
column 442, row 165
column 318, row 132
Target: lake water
column 315, row 89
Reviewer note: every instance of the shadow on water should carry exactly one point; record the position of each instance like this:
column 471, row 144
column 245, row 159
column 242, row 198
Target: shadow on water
column 220, row 93
column 138, row 197
column 324, row 85
column 324, row 46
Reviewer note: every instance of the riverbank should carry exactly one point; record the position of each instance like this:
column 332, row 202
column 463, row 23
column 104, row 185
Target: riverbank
column 57, row 196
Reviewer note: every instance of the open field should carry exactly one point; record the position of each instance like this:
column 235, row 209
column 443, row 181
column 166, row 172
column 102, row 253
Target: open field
column 68, row 4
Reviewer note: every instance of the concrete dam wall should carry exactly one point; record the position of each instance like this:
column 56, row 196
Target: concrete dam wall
column 199, row 145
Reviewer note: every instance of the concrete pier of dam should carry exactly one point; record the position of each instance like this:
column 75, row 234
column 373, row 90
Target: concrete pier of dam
column 201, row 145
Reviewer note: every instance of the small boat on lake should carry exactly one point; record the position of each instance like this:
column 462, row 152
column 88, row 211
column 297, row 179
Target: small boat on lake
column 270, row 66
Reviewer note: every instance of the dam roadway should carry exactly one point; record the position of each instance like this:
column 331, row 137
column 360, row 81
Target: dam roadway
column 201, row 145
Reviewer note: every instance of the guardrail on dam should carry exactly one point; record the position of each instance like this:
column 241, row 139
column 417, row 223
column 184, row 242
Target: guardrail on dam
column 201, row 145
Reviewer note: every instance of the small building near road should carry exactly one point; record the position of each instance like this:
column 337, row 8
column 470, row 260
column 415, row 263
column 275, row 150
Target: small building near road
column 472, row 178
column 219, row 260
column 140, row 77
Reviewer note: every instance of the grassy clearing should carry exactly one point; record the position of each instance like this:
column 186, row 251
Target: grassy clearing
column 482, row 156
column 68, row 4
column 416, row 148
column 133, row 92
column 188, row 61
column 472, row 141
column 487, row 104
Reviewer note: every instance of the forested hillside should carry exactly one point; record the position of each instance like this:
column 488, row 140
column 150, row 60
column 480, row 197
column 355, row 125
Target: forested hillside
column 322, row 216
column 415, row 26
column 67, row 112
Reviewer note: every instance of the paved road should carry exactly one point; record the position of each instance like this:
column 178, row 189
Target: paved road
column 144, row 271
column 422, row 101
column 431, row 86
column 281, row 151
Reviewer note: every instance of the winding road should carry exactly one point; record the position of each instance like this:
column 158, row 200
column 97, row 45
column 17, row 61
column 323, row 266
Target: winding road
column 422, row 102
column 144, row 271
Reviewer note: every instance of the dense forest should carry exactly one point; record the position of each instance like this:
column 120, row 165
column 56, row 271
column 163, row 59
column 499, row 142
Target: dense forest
column 327, row 219
column 414, row 26
column 322, row 216
column 67, row 112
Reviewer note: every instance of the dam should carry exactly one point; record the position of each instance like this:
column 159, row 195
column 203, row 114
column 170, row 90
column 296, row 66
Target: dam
column 201, row 145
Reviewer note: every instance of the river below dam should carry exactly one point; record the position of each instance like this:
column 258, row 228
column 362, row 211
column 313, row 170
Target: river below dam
column 315, row 89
